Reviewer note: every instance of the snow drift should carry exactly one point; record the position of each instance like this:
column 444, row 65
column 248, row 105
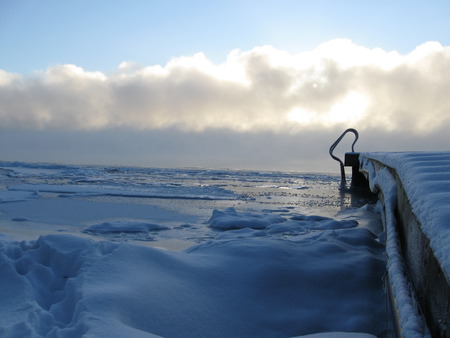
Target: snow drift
column 62, row 285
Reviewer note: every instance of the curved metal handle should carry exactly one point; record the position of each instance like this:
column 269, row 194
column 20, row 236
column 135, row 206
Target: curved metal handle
column 334, row 145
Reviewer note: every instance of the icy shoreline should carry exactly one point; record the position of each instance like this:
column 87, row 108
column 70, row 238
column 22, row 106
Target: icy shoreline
column 251, row 266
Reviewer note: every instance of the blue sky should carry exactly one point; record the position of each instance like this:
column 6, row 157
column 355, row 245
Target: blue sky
column 244, row 84
column 99, row 35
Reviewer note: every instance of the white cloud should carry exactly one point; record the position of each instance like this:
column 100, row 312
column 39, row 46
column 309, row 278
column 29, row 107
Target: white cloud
column 338, row 84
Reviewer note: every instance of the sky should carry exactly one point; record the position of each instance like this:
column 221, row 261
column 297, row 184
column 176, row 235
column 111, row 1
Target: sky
column 249, row 84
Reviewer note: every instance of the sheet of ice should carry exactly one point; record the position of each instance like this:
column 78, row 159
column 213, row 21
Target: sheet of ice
column 62, row 285
column 31, row 218
column 201, row 193
column 15, row 196
column 73, row 198
column 426, row 180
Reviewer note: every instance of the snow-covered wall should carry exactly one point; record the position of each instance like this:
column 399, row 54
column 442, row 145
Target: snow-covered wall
column 426, row 180
column 421, row 183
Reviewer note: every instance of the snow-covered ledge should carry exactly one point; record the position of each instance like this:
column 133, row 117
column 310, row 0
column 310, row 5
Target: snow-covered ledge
column 415, row 188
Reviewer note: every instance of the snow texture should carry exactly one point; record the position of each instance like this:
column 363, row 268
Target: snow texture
column 411, row 321
column 124, row 226
column 426, row 180
column 230, row 219
column 65, row 286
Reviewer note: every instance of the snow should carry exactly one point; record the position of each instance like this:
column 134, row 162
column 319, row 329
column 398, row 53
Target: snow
column 230, row 219
column 65, row 285
column 124, row 226
column 411, row 322
column 426, row 180
column 80, row 261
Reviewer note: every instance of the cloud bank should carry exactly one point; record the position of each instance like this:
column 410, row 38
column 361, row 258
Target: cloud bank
column 337, row 84
column 260, row 109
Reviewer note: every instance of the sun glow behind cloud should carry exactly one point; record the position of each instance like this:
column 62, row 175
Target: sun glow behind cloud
column 349, row 110
column 337, row 84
